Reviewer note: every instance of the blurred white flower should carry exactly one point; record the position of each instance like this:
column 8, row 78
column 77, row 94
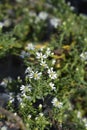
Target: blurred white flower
column 25, row 88
column 55, row 22
column 25, row 96
column 15, row 114
column 77, row 69
column 53, row 61
column 52, row 86
column 79, row 115
column 48, row 52
column 68, row 3
column 40, row 56
column 85, row 121
column 29, row 116
column 22, row 105
column 40, row 106
column 28, row 70
column 3, row 83
column 24, row 54
column 19, row 79
column 52, row 74
column 83, row 56
column 30, row 46
column 32, row 13
column 1, row 25
column 11, row 97
column 72, row 8
column 43, row 15
column 36, row 118
column 9, row 79
column 43, row 63
column 37, row 19
column 22, row 87
column 7, row 22
column 19, row 98
column 56, row 103
column 41, row 114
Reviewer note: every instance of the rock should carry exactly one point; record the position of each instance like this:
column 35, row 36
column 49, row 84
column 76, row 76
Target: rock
column 4, row 98
column 11, row 121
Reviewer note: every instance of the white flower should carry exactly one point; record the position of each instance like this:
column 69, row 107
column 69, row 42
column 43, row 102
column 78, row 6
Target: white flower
column 36, row 118
column 41, row 114
column 52, row 86
column 30, row 75
column 30, row 46
column 77, row 69
column 19, row 98
column 48, row 52
column 43, row 63
column 85, row 121
column 15, row 114
column 25, row 88
column 68, row 3
column 32, row 14
column 40, row 106
column 36, row 75
column 7, row 22
column 72, row 8
column 29, row 116
column 43, row 15
column 28, row 70
column 52, row 74
column 22, row 87
column 55, row 22
column 3, row 83
column 83, row 56
column 11, row 98
column 37, row 20
column 24, row 54
column 9, row 80
column 19, row 79
column 1, row 25
column 53, row 61
column 39, row 55
column 56, row 103
column 79, row 114
column 26, row 97
column 22, row 105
